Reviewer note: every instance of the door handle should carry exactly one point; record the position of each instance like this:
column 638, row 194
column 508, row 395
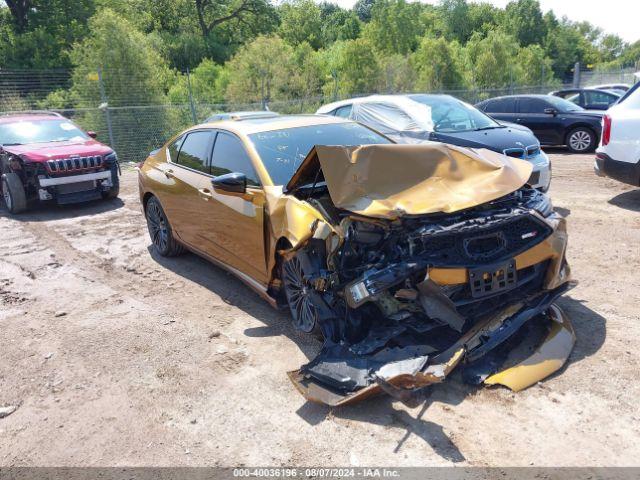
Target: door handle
column 205, row 194
column 169, row 174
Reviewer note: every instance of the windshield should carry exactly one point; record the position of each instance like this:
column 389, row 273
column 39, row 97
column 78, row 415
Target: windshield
column 451, row 115
column 40, row 131
column 282, row 151
column 563, row 105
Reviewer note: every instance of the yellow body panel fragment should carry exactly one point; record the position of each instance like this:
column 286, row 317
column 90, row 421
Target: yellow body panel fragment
column 550, row 356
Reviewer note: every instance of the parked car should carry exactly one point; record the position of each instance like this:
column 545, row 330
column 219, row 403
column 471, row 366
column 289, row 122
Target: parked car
column 589, row 98
column 618, row 156
column 553, row 120
column 46, row 157
column 216, row 117
column 442, row 118
column 620, row 88
column 410, row 260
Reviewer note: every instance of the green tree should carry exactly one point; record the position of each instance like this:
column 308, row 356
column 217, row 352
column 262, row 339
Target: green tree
column 523, row 20
column 133, row 73
column 534, row 67
column 300, row 21
column 394, row 27
column 207, row 85
column 355, row 66
column 491, row 59
column 439, row 64
column 398, row 74
column 260, row 70
column 456, row 20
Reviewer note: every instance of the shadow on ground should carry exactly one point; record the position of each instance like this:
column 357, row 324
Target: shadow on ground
column 233, row 292
column 46, row 212
column 589, row 326
column 628, row 200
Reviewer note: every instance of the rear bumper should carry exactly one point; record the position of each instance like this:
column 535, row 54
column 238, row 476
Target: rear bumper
column 52, row 182
column 625, row 172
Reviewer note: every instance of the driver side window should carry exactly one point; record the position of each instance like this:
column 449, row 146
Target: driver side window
column 230, row 156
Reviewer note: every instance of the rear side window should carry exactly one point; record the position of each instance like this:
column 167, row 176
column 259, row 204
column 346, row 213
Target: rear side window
column 343, row 112
column 230, row 156
column 533, row 105
column 174, row 148
column 501, row 105
column 195, row 149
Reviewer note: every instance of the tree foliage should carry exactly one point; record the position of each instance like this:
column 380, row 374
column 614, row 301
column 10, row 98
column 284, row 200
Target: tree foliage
column 247, row 51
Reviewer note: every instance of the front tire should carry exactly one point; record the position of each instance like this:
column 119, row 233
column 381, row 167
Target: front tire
column 581, row 140
column 160, row 231
column 299, row 296
column 13, row 192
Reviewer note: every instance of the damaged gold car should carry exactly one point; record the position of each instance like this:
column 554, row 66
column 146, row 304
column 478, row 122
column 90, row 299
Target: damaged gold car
column 409, row 260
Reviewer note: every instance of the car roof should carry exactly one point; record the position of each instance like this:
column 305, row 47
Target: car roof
column 12, row 117
column 530, row 95
column 400, row 100
column 586, row 89
column 250, row 125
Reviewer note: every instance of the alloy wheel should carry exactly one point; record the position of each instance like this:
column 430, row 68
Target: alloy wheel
column 157, row 224
column 580, row 140
column 298, row 294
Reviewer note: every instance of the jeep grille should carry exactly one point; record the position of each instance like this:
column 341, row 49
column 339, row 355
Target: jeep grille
column 74, row 164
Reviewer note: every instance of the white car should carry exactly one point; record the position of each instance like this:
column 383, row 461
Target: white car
column 618, row 155
column 421, row 118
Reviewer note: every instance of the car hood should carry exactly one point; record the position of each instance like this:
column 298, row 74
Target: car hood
column 389, row 181
column 41, row 152
column 496, row 139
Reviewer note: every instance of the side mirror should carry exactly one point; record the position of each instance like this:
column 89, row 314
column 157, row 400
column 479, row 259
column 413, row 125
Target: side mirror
column 230, row 182
column 551, row 111
column 92, row 134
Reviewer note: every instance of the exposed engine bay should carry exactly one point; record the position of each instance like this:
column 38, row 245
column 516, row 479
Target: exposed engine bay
column 402, row 302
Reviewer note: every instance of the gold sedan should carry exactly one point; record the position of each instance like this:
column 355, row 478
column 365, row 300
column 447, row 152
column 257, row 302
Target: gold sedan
column 410, row 260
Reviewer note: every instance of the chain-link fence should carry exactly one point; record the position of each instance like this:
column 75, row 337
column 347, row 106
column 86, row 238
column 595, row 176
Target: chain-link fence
column 135, row 116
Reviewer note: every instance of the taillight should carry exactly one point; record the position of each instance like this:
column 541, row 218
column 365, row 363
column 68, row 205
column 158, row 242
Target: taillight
column 606, row 130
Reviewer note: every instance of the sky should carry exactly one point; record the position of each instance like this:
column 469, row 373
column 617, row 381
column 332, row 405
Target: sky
column 613, row 16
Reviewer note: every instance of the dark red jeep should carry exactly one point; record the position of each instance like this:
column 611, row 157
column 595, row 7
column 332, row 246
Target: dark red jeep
column 46, row 157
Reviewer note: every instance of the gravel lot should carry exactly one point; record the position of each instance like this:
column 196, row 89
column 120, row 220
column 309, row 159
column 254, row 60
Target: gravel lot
column 115, row 356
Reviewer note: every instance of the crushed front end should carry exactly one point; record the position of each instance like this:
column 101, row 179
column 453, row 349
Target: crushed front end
column 403, row 302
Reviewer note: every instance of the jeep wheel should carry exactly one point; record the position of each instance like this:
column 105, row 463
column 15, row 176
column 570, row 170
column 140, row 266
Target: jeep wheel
column 160, row 231
column 300, row 298
column 581, row 140
column 13, row 193
column 112, row 193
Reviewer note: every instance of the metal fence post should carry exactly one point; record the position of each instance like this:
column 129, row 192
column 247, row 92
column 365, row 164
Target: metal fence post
column 105, row 102
column 191, row 104
column 576, row 75
column 334, row 74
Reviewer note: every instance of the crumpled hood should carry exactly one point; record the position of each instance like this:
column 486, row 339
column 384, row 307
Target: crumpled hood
column 389, row 181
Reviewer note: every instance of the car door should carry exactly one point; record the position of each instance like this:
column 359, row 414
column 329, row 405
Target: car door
column 534, row 113
column 231, row 223
column 188, row 178
column 594, row 100
column 502, row 109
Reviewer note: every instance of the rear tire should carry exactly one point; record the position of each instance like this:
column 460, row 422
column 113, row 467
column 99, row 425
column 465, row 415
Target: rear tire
column 581, row 140
column 13, row 192
column 160, row 231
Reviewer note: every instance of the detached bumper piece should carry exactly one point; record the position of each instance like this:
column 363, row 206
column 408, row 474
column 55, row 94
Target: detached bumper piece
column 502, row 349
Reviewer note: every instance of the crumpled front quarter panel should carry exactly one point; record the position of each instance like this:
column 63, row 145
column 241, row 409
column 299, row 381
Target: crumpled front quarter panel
column 388, row 181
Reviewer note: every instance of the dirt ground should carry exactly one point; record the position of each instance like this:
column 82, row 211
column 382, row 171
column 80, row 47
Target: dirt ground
column 117, row 357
